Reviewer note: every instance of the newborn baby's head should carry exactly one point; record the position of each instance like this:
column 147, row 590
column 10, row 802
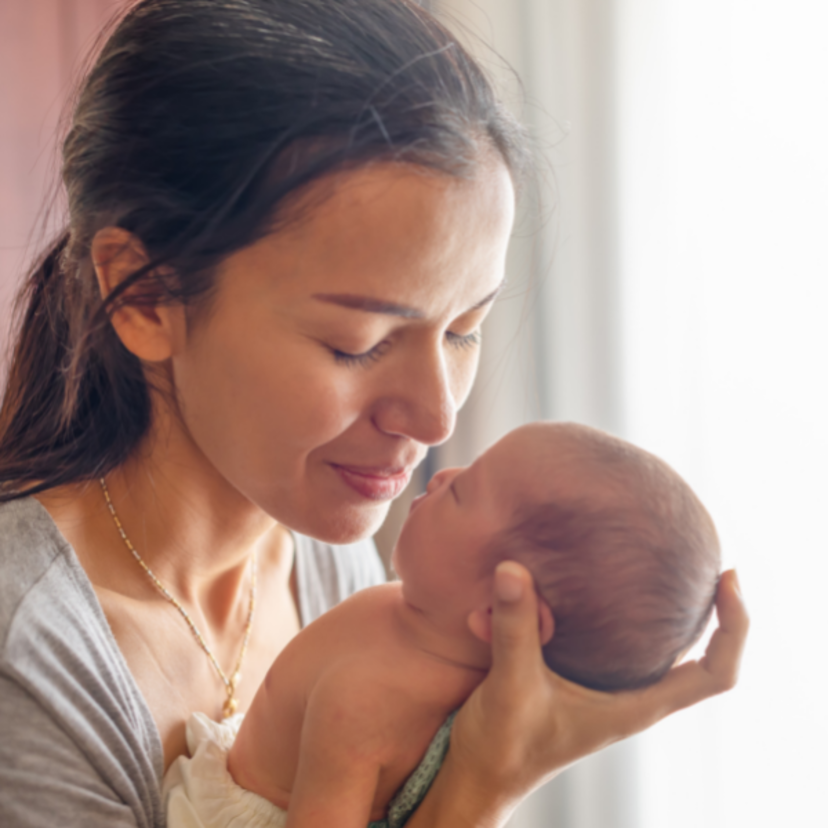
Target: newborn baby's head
column 622, row 551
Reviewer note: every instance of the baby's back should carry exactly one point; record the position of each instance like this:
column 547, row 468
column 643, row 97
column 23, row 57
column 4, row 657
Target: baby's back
column 351, row 697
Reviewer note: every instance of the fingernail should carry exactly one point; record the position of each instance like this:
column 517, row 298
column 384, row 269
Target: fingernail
column 508, row 582
column 736, row 582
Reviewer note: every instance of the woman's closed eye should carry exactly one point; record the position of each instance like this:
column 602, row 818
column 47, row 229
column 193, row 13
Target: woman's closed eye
column 365, row 358
column 469, row 340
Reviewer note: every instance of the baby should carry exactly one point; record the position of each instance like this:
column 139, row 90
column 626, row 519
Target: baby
column 622, row 552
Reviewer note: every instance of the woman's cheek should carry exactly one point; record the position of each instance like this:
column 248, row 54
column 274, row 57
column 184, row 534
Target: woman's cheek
column 325, row 401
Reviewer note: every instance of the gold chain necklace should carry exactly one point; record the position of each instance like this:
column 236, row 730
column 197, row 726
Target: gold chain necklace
column 230, row 684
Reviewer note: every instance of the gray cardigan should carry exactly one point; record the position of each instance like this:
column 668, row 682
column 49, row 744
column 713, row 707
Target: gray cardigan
column 78, row 745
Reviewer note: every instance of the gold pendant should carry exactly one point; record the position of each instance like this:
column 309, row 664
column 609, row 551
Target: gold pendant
column 229, row 707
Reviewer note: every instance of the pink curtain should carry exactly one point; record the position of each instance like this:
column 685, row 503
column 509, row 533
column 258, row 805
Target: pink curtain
column 43, row 44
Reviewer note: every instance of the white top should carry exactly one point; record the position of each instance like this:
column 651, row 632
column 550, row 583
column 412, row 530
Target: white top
column 78, row 745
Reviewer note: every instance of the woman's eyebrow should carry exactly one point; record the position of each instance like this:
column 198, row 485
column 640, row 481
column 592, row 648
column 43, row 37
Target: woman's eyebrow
column 490, row 298
column 372, row 305
column 368, row 303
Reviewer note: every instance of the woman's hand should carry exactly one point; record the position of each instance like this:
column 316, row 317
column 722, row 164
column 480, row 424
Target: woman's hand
column 524, row 724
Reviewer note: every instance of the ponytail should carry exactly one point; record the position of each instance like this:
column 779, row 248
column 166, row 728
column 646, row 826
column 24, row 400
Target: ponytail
column 75, row 405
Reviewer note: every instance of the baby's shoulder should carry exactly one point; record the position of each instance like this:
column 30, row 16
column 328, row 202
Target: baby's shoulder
column 371, row 669
column 368, row 601
column 358, row 625
column 378, row 598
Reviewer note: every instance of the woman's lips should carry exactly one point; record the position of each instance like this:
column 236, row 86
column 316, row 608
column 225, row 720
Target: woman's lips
column 374, row 484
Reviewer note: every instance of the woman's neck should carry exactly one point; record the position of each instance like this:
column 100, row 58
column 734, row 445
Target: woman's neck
column 193, row 529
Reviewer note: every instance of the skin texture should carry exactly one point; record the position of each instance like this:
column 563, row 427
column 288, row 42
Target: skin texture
column 238, row 450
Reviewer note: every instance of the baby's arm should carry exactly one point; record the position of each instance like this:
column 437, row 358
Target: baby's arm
column 344, row 745
column 336, row 777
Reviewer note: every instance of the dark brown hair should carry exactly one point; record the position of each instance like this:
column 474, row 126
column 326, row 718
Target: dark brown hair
column 629, row 572
column 198, row 120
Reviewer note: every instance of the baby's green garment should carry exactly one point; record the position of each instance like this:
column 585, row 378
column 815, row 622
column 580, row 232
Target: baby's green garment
column 412, row 793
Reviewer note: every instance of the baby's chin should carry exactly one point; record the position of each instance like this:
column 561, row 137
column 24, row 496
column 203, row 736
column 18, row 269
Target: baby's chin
column 399, row 547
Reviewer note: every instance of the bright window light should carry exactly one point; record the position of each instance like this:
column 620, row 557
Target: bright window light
column 724, row 204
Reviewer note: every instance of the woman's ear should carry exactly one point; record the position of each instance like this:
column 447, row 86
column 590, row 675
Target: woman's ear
column 150, row 331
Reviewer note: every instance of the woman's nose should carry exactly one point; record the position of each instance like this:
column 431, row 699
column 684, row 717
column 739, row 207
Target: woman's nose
column 418, row 401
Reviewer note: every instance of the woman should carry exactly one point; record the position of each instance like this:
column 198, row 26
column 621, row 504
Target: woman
column 288, row 219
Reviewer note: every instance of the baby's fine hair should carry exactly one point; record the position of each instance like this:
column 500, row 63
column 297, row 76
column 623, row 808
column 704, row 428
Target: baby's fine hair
column 630, row 574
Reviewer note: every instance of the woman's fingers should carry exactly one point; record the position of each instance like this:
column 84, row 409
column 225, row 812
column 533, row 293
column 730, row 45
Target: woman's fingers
column 724, row 653
column 497, row 728
column 524, row 724
column 717, row 671
column 515, row 636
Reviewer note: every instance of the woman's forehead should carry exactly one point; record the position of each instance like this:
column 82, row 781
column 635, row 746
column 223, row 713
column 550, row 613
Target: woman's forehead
column 392, row 234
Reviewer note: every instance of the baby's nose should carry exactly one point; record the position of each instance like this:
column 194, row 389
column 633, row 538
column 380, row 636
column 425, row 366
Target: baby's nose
column 438, row 479
column 433, row 484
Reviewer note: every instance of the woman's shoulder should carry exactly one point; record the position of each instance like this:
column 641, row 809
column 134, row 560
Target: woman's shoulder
column 40, row 576
column 29, row 546
column 54, row 635
column 67, row 699
column 328, row 573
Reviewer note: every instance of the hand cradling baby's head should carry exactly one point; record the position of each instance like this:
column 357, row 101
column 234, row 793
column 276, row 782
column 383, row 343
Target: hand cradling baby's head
column 621, row 549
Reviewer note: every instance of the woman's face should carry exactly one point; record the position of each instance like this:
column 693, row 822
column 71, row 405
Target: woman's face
column 338, row 348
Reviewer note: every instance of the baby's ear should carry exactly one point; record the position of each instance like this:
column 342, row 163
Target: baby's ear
column 546, row 623
column 480, row 623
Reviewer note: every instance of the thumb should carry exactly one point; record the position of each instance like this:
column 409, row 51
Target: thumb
column 515, row 636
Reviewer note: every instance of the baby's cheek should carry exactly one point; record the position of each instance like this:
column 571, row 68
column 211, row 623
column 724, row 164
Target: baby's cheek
column 412, row 549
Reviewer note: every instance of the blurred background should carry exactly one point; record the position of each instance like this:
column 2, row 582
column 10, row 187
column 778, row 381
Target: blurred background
column 668, row 281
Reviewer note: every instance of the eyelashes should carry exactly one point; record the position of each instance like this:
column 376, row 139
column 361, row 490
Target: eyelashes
column 462, row 342
column 469, row 340
column 363, row 359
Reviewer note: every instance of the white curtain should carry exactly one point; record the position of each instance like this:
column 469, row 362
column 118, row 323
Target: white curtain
column 724, row 269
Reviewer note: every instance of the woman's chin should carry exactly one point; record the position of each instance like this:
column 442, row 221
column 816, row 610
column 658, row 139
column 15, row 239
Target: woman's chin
column 347, row 524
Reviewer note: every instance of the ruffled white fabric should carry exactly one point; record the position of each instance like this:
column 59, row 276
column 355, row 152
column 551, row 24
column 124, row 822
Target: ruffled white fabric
column 198, row 792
